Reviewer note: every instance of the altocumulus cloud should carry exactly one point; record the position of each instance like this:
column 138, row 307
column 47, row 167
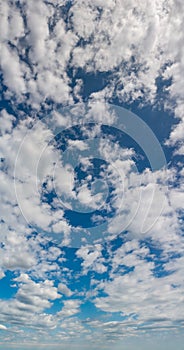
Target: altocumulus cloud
column 91, row 242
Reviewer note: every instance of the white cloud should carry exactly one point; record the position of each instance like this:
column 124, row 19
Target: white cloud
column 133, row 44
column 87, row 198
column 31, row 299
column 12, row 26
column 2, row 327
column 81, row 145
column 92, row 258
column 70, row 308
column 12, row 70
column 2, row 275
column 6, row 121
column 62, row 288
column 64, row 180
column 139, row 292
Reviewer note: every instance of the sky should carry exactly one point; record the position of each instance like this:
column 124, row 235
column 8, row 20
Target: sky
column 91, row 174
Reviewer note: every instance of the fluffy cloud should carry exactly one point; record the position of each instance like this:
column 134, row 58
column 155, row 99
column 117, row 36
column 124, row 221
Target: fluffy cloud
column 137, row 292
column 70, row 308
column 92, row 258
column 31, row 299
column 62, row 288
column 51, row 55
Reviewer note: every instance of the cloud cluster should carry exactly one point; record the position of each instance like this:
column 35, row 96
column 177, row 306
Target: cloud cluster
column 135, row 290
column 38, row 53
column 55, row 54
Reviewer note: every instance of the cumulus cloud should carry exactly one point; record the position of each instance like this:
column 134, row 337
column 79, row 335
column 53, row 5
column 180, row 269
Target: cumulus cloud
column 83, row 55
column 70, row 308
column 62, row 288
column 135, row 291
column 92, row 258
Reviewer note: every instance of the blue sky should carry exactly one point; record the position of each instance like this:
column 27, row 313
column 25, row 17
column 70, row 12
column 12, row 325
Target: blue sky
column 91, row 148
